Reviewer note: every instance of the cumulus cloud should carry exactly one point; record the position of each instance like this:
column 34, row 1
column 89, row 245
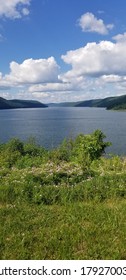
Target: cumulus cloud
column 89, row 23
column 71, row 85
column 120, row 37
column 97, row 59
column 51, row 87
column 33, row 71
column 14, row 8
column 97, row 70
column 4, row 84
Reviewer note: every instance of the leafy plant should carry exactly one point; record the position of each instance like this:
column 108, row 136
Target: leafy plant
column 15, row 145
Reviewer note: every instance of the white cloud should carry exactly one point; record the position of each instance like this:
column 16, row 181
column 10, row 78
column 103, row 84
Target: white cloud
column 89, row 23
column 120, row 37
column 97, row 70
column 112, row 78
column 50, row 87
column 97, row 59
column 72, row 85
column 14, row 8
column 33, row 71
column 4, row 84
column 6, row 95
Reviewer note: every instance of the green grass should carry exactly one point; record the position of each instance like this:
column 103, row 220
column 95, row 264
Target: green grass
column 83, row 230
column 61, row 204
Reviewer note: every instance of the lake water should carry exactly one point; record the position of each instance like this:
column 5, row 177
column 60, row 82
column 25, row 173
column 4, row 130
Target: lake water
column 51, row 125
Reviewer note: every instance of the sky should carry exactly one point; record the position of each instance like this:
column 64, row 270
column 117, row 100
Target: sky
column 62, row 50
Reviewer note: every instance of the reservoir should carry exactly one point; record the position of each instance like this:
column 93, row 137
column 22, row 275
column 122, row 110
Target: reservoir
column 51, row 125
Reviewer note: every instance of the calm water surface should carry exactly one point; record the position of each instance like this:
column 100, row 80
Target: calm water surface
column 51, row 125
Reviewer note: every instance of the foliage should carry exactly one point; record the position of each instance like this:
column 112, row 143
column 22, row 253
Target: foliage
column 114, row 103
column 91, row 146
column 64, row 151
column 83, row 149
column 31, row 148
column 15, row 145
column 68, row 203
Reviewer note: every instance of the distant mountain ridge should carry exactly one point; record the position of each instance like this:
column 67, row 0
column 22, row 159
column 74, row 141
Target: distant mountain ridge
column 17, row 103
column 63, row 104
column 114, row 103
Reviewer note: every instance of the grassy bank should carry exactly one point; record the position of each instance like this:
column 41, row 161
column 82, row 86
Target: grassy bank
column 68, row 203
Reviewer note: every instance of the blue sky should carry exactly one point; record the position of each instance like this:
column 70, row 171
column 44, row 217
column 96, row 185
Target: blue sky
column 62, row 50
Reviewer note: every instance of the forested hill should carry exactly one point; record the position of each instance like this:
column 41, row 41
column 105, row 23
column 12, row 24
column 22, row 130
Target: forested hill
column 15, row 104
column 115, row 103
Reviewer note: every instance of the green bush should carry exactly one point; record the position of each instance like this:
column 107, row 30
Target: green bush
column 31, row 148
column 15, row 145
column 8, row 158
column 91, row 146
column 65, row 149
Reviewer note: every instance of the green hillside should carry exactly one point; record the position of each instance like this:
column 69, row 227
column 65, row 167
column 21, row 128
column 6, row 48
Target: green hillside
column 116, row 103
column 15, row 104
column 4, row 104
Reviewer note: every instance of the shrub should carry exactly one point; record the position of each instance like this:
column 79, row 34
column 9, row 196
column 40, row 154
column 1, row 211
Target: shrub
column 91, row 145
column 32, row 149
column 15, row 145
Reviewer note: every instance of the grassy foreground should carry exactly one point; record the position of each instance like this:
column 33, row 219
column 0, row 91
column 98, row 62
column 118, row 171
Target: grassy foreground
column 68, row 203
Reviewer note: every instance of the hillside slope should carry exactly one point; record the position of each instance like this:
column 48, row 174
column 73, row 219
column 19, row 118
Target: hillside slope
column 15, row 104
column 116, row 103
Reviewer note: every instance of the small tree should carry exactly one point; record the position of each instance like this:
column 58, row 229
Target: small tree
column 87, row 148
